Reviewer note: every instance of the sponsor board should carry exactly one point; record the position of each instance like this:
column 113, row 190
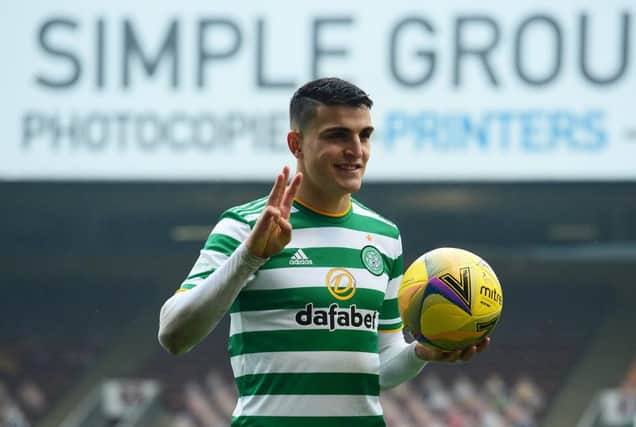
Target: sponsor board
column 530, row 90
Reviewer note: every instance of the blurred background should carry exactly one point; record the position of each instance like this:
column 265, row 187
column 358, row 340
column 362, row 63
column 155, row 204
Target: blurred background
column 504, row 128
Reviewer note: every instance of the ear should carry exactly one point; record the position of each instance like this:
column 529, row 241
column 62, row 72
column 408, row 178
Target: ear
column 294, row 139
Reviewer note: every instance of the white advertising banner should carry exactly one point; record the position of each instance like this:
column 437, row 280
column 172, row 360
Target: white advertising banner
column 199, row 90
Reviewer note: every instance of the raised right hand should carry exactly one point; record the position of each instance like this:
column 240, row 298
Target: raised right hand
column 272, row 231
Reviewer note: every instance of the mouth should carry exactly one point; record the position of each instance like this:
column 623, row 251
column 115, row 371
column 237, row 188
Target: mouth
column 348, row 167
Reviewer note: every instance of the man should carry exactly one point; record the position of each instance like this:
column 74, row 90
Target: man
column 310, row 277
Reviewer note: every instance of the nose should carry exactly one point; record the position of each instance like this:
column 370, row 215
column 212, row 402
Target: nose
column 354, row 148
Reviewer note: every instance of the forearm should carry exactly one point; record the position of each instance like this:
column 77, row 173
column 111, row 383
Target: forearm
column 187, row 317
column 398, row 361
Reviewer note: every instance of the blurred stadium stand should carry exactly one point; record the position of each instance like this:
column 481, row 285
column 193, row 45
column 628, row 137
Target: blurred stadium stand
column 89, row 265
column 615, row 407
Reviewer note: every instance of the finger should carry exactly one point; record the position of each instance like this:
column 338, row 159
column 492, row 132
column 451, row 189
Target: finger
column 468, row 353
column 277, row 191
column 483, row 344
column 264, row 222
column 453, row 356
column 283, row 186
column 441, row 356
column 257, row 240
column 427, row 353
column 290, row 193
column 285, row 228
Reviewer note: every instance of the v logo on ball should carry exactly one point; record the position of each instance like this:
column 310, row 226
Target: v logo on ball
column 461, row 287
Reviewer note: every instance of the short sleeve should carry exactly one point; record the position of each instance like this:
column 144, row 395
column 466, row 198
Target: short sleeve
column 390, row 320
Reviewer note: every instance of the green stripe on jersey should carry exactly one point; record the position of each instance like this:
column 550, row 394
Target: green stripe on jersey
column 235, row 216
column 309, row 383
column 390, row 326
column 249, row 205
column 297, row 298
column 390, row 309
column 252, row 211
column 303, row 340
column 369, row 421
column 203, row 274
column 326, row 257
column 397, row 268
column 221, row 243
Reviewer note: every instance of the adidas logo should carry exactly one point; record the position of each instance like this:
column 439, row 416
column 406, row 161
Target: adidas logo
column 300, row 258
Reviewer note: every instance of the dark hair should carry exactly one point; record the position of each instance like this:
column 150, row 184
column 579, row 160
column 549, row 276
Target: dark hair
column 325, row 91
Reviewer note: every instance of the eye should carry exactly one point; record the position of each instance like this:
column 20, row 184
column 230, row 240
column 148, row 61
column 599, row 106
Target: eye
column 336, row 135
column 365, row 136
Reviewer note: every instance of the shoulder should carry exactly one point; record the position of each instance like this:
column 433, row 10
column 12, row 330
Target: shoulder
column 381, row 224
column 246, row 213
column 236, row 222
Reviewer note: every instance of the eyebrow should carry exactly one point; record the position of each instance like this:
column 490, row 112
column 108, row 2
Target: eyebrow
column 368, row 129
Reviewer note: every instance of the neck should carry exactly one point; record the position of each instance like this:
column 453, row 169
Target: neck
column 317, row 200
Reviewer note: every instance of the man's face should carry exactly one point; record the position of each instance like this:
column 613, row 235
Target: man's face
column 335, row 149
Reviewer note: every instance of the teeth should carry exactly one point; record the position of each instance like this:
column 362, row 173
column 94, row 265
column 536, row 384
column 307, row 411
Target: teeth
column 348, row 167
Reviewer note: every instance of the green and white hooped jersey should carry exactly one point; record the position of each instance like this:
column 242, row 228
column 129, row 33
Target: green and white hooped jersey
column 303, row 336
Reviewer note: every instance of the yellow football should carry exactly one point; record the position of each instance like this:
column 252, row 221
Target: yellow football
column 450, row 298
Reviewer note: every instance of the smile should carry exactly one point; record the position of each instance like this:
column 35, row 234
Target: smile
column 348, row 167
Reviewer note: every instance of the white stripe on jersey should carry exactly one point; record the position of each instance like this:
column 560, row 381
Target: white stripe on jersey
column 390, row 321
column 299, row 361
column 249, row 208
column 254, row 216
column 298, row 405
column 310, row 277
column 339, row 237
column 393, row 288
column 207, row 261
column 230, row 227
column 274, row 320
column 358, row 210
